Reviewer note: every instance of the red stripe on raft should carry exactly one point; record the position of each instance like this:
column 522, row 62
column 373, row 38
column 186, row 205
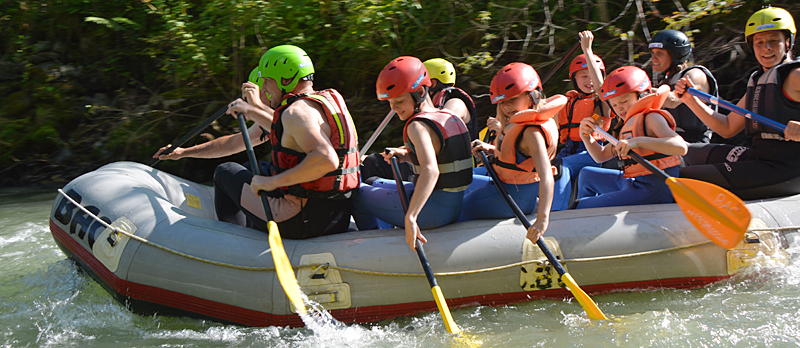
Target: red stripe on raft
column 250, row 317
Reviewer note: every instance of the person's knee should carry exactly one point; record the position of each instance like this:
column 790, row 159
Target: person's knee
column 225, row 171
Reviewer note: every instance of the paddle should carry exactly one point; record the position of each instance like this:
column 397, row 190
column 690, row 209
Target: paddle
column 437, row 292
column 737, row 109
column 586, row 302
column 490, row 135
column 191, row 134
column 716, row 212
column 375, row 134
column 282, row 265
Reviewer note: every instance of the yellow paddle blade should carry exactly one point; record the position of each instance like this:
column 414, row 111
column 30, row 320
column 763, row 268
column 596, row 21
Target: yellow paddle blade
column 444, row 310
column 284, row 269
column 716, row 212
column 586, row 302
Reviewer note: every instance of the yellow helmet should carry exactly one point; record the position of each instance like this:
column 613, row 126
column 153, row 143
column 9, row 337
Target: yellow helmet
column 768, row 19
column 441, row 70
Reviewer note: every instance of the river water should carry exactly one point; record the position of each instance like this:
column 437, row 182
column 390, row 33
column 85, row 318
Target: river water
column 46, row 301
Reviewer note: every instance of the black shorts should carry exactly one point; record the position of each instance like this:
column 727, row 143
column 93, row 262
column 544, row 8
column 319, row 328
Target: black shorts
column 318, row 217
column 769, row 168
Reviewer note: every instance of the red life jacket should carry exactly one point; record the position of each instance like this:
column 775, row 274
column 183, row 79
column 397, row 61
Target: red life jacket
column 505, row 161
column 448, row 93
column 579, row 106
column 455, row 156
column 634, row 127
column 338, row 183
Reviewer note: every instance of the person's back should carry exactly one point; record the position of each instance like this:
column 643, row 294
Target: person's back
column 314, row 167
column 436, row 142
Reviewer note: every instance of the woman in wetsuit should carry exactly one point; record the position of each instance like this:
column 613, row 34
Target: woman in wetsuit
column 770, row 166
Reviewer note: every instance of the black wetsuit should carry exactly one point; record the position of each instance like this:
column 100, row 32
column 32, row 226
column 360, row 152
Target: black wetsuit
column 688, row 125
column 770, row 166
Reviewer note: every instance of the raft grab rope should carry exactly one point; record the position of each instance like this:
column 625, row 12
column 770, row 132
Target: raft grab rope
column 326, row 266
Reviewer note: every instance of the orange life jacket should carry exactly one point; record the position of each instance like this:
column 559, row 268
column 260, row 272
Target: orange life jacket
column 338, row 183
column 579, row 106
column 634, row 127
column 505, row 160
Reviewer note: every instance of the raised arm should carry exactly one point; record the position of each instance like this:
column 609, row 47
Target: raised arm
column 587, row 38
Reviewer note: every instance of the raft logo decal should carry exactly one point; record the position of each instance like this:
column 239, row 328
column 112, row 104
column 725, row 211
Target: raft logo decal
column 76, row 222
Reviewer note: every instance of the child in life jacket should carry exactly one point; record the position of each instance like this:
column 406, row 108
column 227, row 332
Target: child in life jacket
column 436, row 142
column 647, row 130
column 586, row 71
column 526, row 142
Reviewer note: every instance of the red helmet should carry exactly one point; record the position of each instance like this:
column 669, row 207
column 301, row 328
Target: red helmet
column 512, row 80
column 624, row 80
column 401, row 75
column 579, row 63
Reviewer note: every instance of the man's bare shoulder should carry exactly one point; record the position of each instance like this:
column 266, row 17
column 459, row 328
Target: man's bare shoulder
column 303, row 111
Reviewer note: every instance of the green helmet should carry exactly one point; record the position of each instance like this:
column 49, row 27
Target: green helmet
column 255, row 77
column 286, row 62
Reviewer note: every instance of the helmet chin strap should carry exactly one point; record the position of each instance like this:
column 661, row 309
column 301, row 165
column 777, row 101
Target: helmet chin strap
column 536, row 96
column 419, row 99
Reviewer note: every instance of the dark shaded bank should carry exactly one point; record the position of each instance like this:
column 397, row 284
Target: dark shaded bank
column 83, row 84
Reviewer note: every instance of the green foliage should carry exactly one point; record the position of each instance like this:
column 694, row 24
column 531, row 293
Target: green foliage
column 698, row 10
column 152, row 69
column 116, row 23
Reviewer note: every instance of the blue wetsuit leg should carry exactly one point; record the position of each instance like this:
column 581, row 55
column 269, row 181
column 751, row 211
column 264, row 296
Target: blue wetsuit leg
column 601, row 187
column 478, row 181
column 577, row 160
column 383, row 202
column 487, row 202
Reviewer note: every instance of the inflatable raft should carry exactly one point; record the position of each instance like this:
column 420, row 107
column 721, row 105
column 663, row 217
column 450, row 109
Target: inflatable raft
column 166, row 253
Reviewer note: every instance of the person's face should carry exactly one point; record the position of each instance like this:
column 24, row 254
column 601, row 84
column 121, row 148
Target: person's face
column 402, row 105
column 584, row 82
column 516, row 104
column 769, row 47
column 274, row 93
column 661, row 59
column 622, row 103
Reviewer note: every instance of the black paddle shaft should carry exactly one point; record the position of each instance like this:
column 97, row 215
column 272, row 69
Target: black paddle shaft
column 191, row 134
column 253, row 163
column 520, row 215
column 426, row 266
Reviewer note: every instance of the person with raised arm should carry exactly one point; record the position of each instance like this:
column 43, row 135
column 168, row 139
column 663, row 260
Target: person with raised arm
column 585, row 71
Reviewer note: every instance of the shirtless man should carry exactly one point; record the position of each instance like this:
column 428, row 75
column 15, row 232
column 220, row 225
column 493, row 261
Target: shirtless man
column 314, row 165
